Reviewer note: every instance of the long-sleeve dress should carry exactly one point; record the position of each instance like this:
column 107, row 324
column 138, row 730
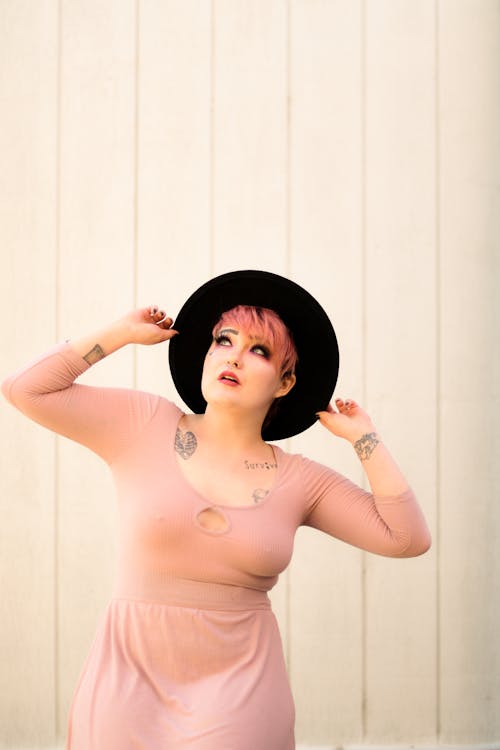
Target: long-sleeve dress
column 188, row 653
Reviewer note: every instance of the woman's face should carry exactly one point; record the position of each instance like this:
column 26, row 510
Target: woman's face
column 241, row 370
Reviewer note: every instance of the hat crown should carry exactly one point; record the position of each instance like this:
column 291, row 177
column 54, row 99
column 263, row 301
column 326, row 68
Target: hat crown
column 312, row 331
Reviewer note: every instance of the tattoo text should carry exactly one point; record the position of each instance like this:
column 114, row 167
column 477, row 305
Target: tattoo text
column 257, row 465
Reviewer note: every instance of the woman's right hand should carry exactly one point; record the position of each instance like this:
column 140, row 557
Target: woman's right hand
column 146, row 325
column 149, row 325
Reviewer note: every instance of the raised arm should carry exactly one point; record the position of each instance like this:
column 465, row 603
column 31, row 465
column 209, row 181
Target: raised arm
column 147, row 325
column 352, row 423
column 103, row 419
column 388, row 521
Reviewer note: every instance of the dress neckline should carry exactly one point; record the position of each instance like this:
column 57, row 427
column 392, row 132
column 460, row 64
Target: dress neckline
column 277, row 452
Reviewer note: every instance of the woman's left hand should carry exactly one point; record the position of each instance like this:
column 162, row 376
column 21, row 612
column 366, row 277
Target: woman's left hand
column 350, row 422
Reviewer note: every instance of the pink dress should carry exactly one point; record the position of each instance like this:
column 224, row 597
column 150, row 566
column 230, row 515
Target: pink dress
column 188, row 653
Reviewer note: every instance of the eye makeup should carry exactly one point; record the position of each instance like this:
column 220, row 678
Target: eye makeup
column 221, row 337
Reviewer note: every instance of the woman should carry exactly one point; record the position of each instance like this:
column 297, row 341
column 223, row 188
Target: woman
column 188, row 654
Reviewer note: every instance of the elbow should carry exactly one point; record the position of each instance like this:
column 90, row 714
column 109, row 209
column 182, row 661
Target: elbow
column 6, row 388
column 15, row 394
column 419, row 546
column 426, row 543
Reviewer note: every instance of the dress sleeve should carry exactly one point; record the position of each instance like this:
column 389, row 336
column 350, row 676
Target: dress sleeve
column 392, row 526
column 106, row 420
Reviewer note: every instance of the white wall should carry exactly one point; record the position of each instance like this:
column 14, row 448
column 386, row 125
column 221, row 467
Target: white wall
column 352, row 145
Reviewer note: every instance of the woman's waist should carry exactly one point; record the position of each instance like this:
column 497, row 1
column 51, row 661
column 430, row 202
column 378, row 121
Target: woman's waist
column 196, row 594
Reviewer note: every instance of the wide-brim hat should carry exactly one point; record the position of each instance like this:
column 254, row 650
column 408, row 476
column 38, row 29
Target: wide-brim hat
column 312, row 331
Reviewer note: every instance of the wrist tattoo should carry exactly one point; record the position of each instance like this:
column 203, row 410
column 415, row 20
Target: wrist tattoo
column 94, row 355
column 366, row 444
column 185, row 444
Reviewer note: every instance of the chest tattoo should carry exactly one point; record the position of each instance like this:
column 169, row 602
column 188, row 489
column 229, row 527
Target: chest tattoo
column 185, row 443
column 258, row 495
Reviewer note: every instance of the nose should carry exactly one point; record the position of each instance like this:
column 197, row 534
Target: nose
column 232, row 362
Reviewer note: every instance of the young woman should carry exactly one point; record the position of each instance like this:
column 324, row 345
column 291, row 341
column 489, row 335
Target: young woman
column 188, row 654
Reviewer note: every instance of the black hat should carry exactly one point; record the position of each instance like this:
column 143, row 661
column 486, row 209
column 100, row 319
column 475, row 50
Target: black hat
column 312, row 331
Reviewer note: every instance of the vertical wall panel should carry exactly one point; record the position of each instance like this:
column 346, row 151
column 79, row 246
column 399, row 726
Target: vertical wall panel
column 174, row 163
column 162, row 142
column 400, row 293
column 250, row 149
column 28, row 147
column 250, row 152
column 96, row 280
column 325, row 235
column 469, row 50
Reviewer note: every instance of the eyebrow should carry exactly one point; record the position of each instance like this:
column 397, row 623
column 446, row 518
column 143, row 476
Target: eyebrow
column 227, row 330
column 265, row 342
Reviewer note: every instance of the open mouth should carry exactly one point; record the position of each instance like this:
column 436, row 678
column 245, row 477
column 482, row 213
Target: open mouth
column 229, row 378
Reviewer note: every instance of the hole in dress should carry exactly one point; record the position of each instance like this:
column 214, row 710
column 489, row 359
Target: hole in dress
column 212, row 519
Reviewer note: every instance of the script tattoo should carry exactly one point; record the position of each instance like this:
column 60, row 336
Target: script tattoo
column 94, row 355
column 365, row 446
column 259, row 495
column 185, row 444
column 265, row 465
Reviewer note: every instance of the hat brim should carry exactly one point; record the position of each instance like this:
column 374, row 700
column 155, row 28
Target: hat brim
column 313, row 333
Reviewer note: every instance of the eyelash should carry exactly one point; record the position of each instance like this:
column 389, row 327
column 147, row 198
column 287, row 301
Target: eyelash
column 223, row 337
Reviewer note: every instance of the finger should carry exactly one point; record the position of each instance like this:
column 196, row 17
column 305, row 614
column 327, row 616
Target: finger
column 326, row 414
column 169, row 334
column 344, row 407
column 165, row 321
column 160, row 317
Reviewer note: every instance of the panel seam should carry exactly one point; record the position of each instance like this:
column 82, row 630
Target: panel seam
column 437, row 241
column 211, row 126
column 57, row 465
column 364, row 354
column 135, row 240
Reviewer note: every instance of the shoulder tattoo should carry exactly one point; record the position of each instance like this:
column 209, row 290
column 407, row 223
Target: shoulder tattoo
column 185, row 443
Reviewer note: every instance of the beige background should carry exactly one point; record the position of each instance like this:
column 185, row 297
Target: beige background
column 352, row 145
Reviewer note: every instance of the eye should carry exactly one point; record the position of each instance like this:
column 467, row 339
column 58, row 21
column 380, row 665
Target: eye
column 262, row 351
column 223, row 340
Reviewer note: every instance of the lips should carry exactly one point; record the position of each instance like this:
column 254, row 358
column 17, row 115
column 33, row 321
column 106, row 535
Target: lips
column 228, row 377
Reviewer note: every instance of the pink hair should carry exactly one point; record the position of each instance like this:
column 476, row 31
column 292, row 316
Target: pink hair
column 266, row 324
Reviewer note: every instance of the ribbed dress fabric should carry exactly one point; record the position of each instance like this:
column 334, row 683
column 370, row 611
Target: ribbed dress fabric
column 188, row 653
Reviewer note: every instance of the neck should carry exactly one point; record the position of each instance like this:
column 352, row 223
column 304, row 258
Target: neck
column 233, row 429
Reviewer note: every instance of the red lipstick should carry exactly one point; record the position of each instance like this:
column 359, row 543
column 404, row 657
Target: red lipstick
column 229, row 377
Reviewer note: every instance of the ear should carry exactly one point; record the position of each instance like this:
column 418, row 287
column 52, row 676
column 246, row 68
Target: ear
column 287, row 383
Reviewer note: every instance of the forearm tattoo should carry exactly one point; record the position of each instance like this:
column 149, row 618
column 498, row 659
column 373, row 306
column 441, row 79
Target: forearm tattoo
column 185, row 443
column 94, row 355
column 366, row 444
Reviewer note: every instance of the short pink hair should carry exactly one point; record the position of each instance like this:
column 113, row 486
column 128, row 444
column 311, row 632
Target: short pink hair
column 266, row 324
